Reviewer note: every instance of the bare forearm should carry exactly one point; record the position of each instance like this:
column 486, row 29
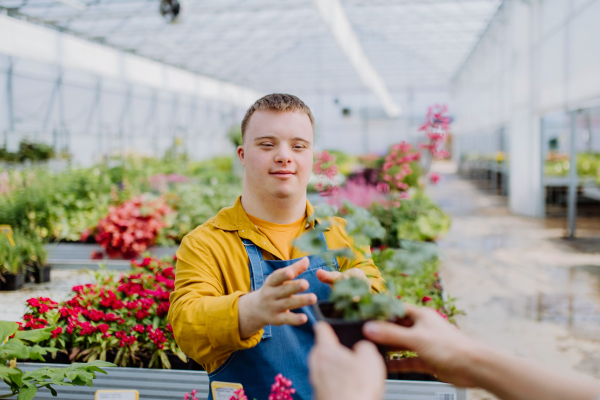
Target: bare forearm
column 249, row 322
column 512, row 378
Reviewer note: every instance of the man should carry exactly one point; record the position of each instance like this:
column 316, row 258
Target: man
column 339, row 373
column 241, row 304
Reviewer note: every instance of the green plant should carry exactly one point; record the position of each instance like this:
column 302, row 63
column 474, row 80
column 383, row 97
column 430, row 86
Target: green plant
column 418, row 218
column 22, row 345
column 10, row 257
column 352, row 297
column 354, row 301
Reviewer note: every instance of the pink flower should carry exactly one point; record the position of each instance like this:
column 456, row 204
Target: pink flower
column 434, row 178
column 441, row 314
column 426, row 299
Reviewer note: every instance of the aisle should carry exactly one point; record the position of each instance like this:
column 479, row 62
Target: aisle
column 524, row 288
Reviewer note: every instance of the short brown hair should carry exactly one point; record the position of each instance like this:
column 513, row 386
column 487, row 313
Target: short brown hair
column 277, row 102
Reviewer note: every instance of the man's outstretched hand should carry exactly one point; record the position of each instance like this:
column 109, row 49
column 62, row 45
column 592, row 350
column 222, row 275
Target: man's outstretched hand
column 271, row 304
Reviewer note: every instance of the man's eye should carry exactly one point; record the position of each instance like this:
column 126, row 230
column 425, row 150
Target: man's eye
column 267, row 144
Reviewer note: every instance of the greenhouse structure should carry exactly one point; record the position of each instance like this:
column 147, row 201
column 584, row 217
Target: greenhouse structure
column 156, row 154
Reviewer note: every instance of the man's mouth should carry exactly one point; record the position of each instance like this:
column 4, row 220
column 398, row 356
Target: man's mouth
column 282, row 173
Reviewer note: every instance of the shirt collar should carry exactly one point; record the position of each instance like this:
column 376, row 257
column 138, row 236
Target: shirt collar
column 235, row 218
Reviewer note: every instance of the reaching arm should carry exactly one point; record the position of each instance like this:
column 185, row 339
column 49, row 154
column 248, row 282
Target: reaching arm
column 454, row 358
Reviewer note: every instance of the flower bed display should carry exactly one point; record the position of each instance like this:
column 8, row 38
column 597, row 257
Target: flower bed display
column 120, row 318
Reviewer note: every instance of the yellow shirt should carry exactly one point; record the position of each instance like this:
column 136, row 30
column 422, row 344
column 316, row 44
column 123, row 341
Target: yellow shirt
column 212, row 273
column 280, row 235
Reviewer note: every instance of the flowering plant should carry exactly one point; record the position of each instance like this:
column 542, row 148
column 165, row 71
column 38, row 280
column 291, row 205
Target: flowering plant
column 327, row 169
column 122, row 318
column 129, row 229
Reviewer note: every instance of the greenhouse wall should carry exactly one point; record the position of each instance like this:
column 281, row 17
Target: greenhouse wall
column 535, row 58
column 69, row 92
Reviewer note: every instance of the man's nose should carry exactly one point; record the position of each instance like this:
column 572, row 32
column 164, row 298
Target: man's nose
column 283, row 157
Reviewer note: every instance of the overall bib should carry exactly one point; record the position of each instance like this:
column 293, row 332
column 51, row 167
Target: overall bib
column 282, row 349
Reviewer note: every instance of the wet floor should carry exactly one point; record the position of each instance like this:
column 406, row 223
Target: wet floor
column 525, row 288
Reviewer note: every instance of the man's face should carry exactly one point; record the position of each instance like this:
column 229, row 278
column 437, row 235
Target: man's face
column 277, row 153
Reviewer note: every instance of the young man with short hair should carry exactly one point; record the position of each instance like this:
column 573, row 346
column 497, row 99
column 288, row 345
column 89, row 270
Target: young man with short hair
column 241, row 304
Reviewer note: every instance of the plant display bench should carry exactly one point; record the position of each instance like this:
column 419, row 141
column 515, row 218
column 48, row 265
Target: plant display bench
column 159, row 384
column 77, row 255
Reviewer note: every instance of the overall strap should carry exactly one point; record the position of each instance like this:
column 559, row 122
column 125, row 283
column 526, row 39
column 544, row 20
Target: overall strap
column 256, row 272
column 255, row 257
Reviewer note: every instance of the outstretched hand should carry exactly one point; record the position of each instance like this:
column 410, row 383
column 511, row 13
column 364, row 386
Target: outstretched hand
column 330, row 277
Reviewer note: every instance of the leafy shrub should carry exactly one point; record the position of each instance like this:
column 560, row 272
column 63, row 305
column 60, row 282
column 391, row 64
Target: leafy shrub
column 132, row 227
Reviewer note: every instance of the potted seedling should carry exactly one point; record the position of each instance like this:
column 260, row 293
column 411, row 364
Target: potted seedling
column 351, row 303
column 11, row 266
column 34, row 256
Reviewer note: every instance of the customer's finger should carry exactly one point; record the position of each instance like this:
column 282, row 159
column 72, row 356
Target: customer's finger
column 390, row 334
column 328, row 277
column 324, row 334
column 286, row 289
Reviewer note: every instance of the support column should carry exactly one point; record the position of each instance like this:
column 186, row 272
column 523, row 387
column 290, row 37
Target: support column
column 572, row 199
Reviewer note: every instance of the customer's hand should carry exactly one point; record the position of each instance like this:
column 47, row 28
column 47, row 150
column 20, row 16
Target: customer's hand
column 442, row 348
column 330, row 277
column 271, row 304
column 337, row 372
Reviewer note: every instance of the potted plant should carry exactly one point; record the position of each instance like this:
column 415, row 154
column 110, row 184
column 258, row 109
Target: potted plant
column 11, row 266
column 34, row 255
column 352, row 304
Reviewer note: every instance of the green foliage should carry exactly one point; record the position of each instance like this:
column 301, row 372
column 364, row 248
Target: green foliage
column 588, row 166
column 235, row 135
column 410, row 258
column 418, row 218
column 29, row 251
column 346, row 163
column 22, row 346
column 28, row 151
column 355, row 302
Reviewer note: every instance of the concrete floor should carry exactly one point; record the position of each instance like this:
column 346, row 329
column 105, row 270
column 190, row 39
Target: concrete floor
column 525, row 289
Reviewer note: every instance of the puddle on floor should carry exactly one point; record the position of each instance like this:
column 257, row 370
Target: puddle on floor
column 574, row 301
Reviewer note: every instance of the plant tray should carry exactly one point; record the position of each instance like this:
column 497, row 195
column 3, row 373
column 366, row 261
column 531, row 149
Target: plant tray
column 173, row 384
column 77, row 256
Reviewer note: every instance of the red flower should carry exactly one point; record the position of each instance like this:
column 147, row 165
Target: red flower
column 139, row 328
column 434, row 178
column 141, row 314
column 57, row 332
column 426, row 299
column 163, row 309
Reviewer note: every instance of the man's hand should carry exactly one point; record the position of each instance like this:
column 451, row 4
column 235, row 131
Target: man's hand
column 271, row 304
column 337, row 372
column 330, row 277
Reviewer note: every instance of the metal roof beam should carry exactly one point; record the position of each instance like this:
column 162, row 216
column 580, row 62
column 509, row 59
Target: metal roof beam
column 335, row 19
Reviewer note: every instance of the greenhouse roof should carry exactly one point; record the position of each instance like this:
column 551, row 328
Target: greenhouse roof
column 276, row 45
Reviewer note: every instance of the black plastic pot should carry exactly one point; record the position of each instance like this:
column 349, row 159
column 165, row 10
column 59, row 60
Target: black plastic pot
column 38, row 275
column 59, row 358
column 176, row 362
column 350, row 332
column 11, row 281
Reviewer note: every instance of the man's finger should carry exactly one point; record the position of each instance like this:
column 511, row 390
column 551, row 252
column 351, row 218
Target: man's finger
column 290, row 318
column 290, row 288
column 287, row 273
column 294, row 302
column 328, row 277
column 324, row 335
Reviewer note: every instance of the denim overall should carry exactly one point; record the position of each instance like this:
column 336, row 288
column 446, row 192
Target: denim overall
column 282, row 349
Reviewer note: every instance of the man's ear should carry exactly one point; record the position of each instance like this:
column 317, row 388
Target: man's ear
column 240, row 153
